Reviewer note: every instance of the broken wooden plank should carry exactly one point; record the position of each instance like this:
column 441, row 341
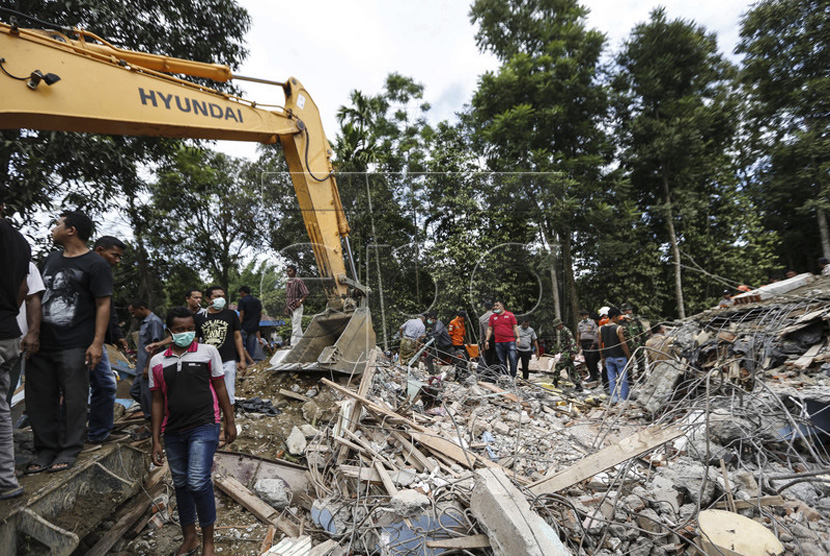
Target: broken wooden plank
column 496, row 390
column 372, row 406
column 132, row 514
column 363, row 391
column 808, row 358
column 256, row 506
column 754, row 503
column 268, row 541
column 366, row 474
column 387, row 480
column 413, row 454
column 460, row 543
column 629, row 447
column 293, row 395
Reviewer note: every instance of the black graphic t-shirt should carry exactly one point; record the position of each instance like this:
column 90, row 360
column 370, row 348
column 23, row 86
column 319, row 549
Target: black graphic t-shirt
column 72, row 285
column 217, row 330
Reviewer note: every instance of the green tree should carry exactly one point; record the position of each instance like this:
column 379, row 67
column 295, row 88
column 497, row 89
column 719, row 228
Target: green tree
column 542, row 113
column 200, row 212
column 676, row 122
column 786, row 72
column 43, row 168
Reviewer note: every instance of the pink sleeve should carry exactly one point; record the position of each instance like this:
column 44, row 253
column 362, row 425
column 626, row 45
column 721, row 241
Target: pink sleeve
column 156, row 377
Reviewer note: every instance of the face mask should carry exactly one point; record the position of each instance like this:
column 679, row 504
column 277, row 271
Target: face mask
column 184, row 339
column 430, row 321
column 218, row 303
column 497, row 311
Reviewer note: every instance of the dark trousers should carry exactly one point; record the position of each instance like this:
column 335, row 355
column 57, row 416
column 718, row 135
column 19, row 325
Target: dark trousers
column 488, row 357
column 140, row 392
column 49, row 374
column 591, row 353
column 524, row 356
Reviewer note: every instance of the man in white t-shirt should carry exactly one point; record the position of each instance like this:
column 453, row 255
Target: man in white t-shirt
column 28, row 319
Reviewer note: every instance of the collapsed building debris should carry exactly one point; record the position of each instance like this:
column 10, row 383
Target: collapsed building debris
column 395, row 461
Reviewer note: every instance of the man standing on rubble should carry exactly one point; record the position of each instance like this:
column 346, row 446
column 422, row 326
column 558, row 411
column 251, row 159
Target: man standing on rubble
column 76, row 311
column 504, row 329
column 567, row 349
column 659, row 346
column 528, row 344
column 102, row 384
column 188, row 390
column 615, row 353
column 458, row 333
column 412, row 334
column 295, row 294
column 250, row 314
column 635, row 336
column 589, row 342
column 150, row 333
column 14, row 258
column 487, row 356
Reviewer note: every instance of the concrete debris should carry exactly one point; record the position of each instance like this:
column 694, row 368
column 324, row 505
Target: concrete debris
column 274, row 492
column 409, row 502
column 296, row 442
column 397, row 461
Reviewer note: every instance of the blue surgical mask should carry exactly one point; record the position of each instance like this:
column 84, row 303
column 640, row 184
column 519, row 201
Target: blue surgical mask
column 218, row 303
column 184, row 339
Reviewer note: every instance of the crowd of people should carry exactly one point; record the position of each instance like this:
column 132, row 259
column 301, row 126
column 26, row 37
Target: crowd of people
column 607, row 342
column 58, row 317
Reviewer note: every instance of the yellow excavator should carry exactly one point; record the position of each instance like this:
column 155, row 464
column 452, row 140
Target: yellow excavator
column 73, row 80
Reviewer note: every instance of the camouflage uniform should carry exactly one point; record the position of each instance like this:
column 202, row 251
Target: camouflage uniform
column 568, row 348
column 635, row 337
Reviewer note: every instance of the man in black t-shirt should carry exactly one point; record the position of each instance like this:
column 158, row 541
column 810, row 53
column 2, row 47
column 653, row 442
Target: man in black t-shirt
column 14, row 260
column 250, row 313
column 220, row 328
column 76, row 312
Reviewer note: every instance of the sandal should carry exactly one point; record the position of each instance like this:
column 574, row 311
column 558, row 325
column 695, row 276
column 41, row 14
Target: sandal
column 37, row 466
column 58, row 466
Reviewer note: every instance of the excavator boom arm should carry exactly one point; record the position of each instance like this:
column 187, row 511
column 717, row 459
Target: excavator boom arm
column 102, row 89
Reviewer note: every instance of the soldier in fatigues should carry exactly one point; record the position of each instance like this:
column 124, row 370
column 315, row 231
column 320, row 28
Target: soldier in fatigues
column 567, row 348
column 635, row 336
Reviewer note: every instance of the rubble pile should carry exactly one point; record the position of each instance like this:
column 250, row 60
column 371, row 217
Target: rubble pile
column 728, row 433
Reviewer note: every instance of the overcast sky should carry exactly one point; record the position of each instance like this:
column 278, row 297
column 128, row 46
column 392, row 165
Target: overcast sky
column 334, row 47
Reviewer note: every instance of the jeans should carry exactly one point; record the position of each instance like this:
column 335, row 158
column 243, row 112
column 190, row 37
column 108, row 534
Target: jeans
column 250, row 342
column 190, row 457
column 506, row 351
column 102, row 402
column 9, row 353
column 57, row 434
column 617, row 378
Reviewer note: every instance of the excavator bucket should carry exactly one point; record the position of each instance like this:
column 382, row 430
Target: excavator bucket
column 334, row 341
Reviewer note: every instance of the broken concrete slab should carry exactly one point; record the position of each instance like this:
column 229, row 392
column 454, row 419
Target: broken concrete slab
column 409, row 502
column 511, row 525
column 296, row 442
column 274, row 492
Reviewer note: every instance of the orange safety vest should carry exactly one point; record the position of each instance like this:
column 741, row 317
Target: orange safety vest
column 457, row 330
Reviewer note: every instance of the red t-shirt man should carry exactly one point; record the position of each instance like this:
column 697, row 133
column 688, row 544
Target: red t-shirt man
column 503, row 325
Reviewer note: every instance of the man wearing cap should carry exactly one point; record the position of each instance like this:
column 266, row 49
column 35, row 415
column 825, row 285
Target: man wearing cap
column 635, row 335
column 589, row 342
column 412, row 333
column 565, row 345
column 615, row 354
column 725, row 300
